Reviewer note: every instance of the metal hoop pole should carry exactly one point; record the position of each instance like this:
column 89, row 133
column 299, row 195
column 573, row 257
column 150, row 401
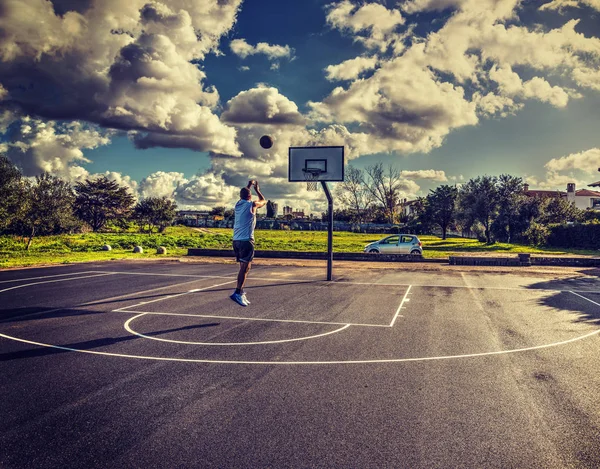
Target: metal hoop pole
column 329, row 230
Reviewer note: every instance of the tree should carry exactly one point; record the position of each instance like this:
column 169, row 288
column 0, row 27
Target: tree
column 12, row 193
column 510, row 200
column 441, row 206
column 478, row 200
column 100, row 201
column 155, row 212
column 48, row 208
column 559, row 210
column 384, row 186
column 353, row 193
column 218, row 211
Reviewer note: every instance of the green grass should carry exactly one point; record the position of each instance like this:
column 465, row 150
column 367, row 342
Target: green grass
column 87, row 247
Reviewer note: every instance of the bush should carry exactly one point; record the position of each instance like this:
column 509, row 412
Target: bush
column 537, row 235
column 585, row 236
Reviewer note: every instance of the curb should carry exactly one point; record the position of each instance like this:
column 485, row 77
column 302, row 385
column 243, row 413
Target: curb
column 520, row 260
column 337, row 256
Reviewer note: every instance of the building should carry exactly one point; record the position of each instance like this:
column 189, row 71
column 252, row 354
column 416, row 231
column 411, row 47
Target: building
column 192, row 217
column 275, row 209
column 582, row 198
column 287, row 210
column 298, row 214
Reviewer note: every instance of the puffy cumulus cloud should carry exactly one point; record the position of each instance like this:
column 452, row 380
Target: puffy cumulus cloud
column 206, row 191
column 350, row 69
column 588, row 161
column 378, row 22
column 36, row 146
column 469, row 68
column 403, row 104
column 121, row 179
column 511, row 85
column 415, row 6
column 273, row 52
column 161, row 184
column 127, row 65
column 491, row 104
column 262, row 105
column 560, row 5
column 429, row 174
column 579, row 168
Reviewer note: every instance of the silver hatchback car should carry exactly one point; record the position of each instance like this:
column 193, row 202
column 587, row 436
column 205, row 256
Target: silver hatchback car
column 397, row 244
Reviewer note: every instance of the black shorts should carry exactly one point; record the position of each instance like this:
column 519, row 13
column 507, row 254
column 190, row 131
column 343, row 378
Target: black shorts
column 244, row 251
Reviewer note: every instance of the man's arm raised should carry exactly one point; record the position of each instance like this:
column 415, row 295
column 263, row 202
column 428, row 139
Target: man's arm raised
column 261, row 202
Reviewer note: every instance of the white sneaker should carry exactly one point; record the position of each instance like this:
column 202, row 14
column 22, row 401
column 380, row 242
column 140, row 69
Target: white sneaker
column 245, row 298
column 239, row 299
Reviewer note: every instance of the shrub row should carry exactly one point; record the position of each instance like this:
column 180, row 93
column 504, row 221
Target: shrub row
column 574, row 236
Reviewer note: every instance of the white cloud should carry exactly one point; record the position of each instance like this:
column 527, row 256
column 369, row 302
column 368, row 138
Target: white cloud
column 273, row 51
column 429, row 174
column 579, row 168
column 588, row 161
column 350, row 69
column 262, row 105
column 36, row 146
column 560, row 5
column 120, row 64
column 374, row 19
column 161, row 184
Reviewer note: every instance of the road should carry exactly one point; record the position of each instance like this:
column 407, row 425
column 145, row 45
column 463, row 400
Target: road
column 148, row 365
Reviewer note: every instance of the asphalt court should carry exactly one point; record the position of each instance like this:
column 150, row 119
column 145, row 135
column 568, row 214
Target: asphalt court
column 295, row 317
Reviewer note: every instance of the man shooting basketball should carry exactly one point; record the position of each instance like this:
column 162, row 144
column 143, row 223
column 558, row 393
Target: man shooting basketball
column 243, row 236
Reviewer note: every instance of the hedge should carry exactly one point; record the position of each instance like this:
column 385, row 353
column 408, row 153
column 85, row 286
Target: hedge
column 575, row 236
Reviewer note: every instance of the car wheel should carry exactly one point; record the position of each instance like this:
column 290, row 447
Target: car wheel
column 415, row 253
column 373, row 251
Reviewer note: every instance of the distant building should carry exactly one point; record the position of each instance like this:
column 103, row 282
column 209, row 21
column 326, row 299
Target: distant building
column 298, row 214
column 275, row 209
column 287, row 210
column 192, row 217
column 582, row 198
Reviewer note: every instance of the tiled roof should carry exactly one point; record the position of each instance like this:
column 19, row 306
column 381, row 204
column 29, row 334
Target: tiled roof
column 544, row 193
column 587, row 193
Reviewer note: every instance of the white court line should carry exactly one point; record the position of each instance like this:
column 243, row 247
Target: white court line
column 581, row 296
column 306, row 362
column 54, row 281
column 241, row 318
column 400, row 307
column 170, row 296
column 330, row 362
column 265, row 342
column 337, row 282
column 48, row 276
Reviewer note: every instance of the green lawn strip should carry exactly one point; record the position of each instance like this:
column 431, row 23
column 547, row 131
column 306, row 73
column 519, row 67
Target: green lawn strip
column 88, row 247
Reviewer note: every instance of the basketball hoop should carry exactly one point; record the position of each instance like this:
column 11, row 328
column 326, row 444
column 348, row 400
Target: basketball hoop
column 311, row 176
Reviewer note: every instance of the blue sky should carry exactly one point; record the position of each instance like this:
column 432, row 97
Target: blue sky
column 169, row 97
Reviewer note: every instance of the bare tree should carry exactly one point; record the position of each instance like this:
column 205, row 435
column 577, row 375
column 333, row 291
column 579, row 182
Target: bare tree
column 384, row 186
column 354, row 194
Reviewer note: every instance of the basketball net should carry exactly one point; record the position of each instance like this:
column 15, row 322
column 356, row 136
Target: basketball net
column 311, row 178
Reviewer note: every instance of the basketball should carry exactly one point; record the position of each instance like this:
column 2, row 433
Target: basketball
column 266, row 141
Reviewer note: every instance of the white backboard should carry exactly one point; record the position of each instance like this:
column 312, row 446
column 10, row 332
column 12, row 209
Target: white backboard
column 330, row 160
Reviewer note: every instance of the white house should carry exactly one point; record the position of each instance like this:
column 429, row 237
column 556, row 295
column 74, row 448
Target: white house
column 583, row 198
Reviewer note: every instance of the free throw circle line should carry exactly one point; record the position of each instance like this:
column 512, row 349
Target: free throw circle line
column 264, row 342
column 307, row 362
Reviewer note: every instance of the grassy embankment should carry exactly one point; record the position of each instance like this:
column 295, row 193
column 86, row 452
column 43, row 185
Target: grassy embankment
column 65, row 249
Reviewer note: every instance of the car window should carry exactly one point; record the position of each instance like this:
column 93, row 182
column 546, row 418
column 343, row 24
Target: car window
column 407, row 239
column 391, row 240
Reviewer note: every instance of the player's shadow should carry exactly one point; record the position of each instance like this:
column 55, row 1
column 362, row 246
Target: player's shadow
column 92, row 344
column 578, row 295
